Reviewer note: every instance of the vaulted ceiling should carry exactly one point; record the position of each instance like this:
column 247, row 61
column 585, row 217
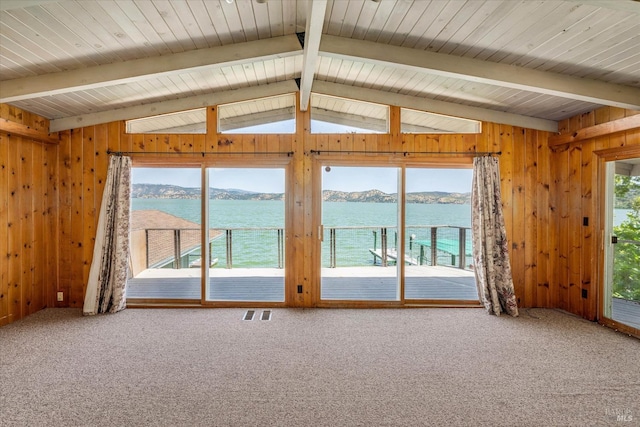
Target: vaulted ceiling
column 525, row 63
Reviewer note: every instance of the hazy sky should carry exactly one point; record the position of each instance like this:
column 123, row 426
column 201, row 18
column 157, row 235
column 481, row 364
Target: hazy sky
column 339, row 178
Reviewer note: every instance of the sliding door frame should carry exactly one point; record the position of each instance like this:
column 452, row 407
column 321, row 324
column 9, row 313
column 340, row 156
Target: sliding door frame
column 401, row 162
column 197, row 161
column 603, row 157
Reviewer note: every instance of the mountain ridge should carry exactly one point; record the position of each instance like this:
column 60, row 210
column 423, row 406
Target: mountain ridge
column 164, row 191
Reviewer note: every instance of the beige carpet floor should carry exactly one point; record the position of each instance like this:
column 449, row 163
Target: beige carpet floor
column 403, row 367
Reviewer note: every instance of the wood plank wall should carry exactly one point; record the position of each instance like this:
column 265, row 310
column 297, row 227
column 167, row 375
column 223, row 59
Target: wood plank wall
column 525, row 189
column 546, row 193
column 574, row 196
column 28, row 219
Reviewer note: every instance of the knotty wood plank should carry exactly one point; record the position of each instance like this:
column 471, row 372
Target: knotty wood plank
column 26, row 220
column 5, row 254
column 162, row 143
column 101, row 143
column 76, row 289
column 174, row 144
column 518, row 209
column 589, row 209
column 359, row 142
column 419, row 142
column 139, row 144
column 562, row 273
column 295, row 257
column 575, row 223
column 543, row 266
column 506, row 180
column 469, row 143
column 432, row 143
column 199, row 143
column 89, row 202
column 38, row 209
column 52, row 226
column 12, row 127
column 14, row 228
column 186, row 143
column 66, row 194
column 530, row 241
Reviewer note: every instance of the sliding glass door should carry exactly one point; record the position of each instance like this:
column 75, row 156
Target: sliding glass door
column 622, row 242
column 246, row 234
column 360, row 234
column 165, row 234
column 438, row 235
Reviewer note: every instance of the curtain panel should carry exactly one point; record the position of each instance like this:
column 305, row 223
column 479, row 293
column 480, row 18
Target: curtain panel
column 490, row 245
column 110, row 265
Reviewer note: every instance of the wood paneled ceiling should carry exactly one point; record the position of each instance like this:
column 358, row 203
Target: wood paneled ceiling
column 525, row 63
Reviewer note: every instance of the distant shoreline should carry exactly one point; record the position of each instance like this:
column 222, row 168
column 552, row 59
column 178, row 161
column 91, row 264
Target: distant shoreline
column 161, row 191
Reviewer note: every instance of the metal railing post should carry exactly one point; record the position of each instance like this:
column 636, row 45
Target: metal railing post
column 462, row 245
column 229, row 249
column 375, row 245
column 434, row 246
column 383, row 239
column 332, row 248
column 146, row 238
column 280, row 247
column 176, row 248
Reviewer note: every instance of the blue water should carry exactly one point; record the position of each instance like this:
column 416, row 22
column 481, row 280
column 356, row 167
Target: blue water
column 251, row 248
column 260, row 248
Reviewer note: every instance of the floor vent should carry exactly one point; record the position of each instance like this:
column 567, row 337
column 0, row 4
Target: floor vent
column 266, row 315
column 249, row 315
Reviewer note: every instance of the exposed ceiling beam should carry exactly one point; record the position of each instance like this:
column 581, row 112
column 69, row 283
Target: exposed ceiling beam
column 19, row 4
column 312, row 36
column 433, row 106
column 165, row 107
column 142, row 69
column 481, row 71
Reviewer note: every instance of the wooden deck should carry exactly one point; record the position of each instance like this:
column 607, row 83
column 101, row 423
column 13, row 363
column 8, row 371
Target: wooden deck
column 350, row 283
column 267, row 285
column 627, row 312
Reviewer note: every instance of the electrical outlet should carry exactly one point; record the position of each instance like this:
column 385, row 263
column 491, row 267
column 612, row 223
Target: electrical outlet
column 60, row 296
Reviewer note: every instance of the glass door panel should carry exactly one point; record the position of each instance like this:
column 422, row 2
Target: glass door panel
column 165, row 234
column 360, row 234
column 438, row 235
column 246, row 234
column 622, row 293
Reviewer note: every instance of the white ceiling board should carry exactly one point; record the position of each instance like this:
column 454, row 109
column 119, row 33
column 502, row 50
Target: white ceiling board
column 172, row 106
column 141, row 69
column 579, row 40
column 482, row 71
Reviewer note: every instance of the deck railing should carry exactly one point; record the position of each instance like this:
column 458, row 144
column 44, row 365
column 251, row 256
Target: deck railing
column 341, row 247
column 425, row 245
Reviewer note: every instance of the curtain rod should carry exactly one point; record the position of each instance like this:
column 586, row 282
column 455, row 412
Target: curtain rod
column 122, row 153
column 406, row 153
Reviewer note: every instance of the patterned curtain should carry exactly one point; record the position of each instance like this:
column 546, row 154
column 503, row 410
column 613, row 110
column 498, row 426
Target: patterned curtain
column 110, row 265
column 490, row 248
